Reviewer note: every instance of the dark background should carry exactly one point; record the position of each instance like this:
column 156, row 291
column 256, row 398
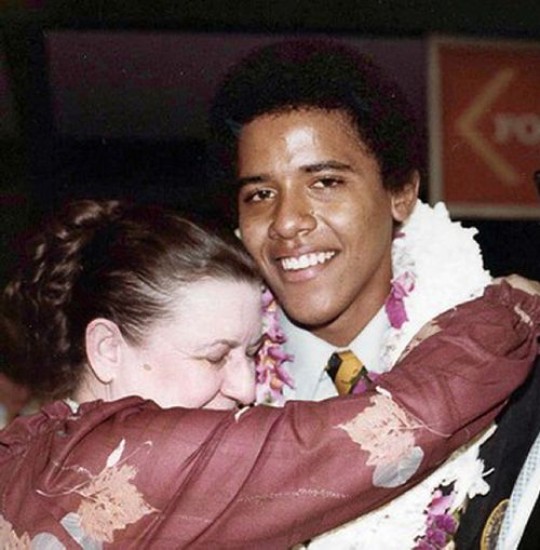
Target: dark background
column 108, row 98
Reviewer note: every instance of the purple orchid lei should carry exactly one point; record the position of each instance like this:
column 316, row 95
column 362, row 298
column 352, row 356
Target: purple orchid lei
column 395, row 305
column 441, row 523
column 272, row 375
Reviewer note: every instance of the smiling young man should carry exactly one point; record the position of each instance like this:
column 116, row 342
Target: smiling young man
column 315, row 215
column 322, row 186
column 324, row 151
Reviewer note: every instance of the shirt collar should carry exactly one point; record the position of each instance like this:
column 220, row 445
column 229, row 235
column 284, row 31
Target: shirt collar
column 311, row 354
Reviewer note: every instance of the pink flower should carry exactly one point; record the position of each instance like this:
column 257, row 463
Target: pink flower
column 440, row 523
column 283, row 374
column 394, row 305
column 271, row 318
column 440, row 503
column 278, row 354
column 447, row 523
column 272, row 375
column 268, row 300
column 436, row 537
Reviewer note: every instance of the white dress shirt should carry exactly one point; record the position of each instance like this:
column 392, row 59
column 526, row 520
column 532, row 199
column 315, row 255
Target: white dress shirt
column 311, row 354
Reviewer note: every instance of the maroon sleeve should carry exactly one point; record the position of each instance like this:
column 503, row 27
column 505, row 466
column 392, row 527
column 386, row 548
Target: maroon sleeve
column 266, row 478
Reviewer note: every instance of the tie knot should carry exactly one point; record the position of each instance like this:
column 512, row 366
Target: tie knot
column 345, row 369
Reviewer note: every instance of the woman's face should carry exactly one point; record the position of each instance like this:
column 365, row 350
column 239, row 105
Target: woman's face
column 203, row 355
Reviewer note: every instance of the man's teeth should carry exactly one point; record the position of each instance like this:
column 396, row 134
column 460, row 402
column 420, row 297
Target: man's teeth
column 306, row 260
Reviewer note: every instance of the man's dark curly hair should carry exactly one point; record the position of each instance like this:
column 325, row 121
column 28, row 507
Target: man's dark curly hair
column 319, row 74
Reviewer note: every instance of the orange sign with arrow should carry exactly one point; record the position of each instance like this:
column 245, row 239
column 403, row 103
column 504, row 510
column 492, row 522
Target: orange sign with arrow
column 485, row 127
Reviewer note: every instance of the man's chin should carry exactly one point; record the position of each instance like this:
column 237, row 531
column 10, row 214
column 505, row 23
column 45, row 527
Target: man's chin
column 312, row 319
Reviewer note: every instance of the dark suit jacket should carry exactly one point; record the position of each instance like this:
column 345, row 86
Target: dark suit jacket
column 505, row 452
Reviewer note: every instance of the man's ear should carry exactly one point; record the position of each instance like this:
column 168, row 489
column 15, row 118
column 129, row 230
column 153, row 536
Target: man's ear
column 104, row 342
column 404, row 200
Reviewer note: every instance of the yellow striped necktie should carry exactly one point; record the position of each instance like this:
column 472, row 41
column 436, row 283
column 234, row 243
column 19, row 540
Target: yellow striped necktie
column 345, row 370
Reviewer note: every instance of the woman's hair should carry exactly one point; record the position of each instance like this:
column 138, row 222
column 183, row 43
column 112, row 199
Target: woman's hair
column 317, row 74
column 102, row 259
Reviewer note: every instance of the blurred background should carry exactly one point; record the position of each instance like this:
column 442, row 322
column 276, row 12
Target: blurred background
column 109, row 99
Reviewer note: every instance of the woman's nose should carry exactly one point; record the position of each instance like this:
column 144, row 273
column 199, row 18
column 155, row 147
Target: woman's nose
column 292, row 215
column 239, row 380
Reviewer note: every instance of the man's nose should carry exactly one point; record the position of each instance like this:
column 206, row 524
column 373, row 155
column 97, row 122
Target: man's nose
column 239, row 380
column 293, row 215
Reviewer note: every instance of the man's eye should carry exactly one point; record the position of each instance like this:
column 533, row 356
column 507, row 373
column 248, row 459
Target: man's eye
column 327, row 182
column 258, row 195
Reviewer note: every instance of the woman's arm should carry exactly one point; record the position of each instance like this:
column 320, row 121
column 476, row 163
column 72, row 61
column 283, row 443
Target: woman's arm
column 268, row 478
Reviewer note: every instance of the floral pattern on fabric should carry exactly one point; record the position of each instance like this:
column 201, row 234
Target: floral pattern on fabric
column 9, row 539
column 110, row 501
column 42, row 541
column 385, row 431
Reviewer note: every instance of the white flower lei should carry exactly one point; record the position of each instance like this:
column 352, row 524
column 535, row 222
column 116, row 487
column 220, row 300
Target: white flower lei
column 444, row 264
column 437, row 265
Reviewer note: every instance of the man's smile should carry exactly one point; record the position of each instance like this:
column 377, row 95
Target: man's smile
column 303, row 261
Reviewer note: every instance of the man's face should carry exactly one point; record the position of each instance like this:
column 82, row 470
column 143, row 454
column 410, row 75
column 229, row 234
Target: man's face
column 316, row 218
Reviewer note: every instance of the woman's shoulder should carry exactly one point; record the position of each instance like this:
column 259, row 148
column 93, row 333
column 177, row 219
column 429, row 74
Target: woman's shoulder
column 62, row 420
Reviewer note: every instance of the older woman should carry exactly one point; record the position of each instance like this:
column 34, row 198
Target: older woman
column 139, row 330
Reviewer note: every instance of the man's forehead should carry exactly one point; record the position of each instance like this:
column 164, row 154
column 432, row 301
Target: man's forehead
column 302, row 128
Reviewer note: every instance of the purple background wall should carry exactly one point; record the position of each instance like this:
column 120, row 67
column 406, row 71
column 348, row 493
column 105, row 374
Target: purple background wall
column 159, row 85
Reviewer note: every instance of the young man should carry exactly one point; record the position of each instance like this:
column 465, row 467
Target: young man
column 325, row 153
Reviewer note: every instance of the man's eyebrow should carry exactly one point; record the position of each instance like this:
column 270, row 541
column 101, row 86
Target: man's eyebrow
column 326, row 165
column 308, row 168
column 259, row 178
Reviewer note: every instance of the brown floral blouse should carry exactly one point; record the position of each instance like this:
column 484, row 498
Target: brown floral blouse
column 127, row 474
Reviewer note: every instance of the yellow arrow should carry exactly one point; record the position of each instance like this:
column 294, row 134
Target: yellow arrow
column 466, row 126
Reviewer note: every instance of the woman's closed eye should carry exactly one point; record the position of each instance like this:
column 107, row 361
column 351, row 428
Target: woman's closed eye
column 217, row 359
